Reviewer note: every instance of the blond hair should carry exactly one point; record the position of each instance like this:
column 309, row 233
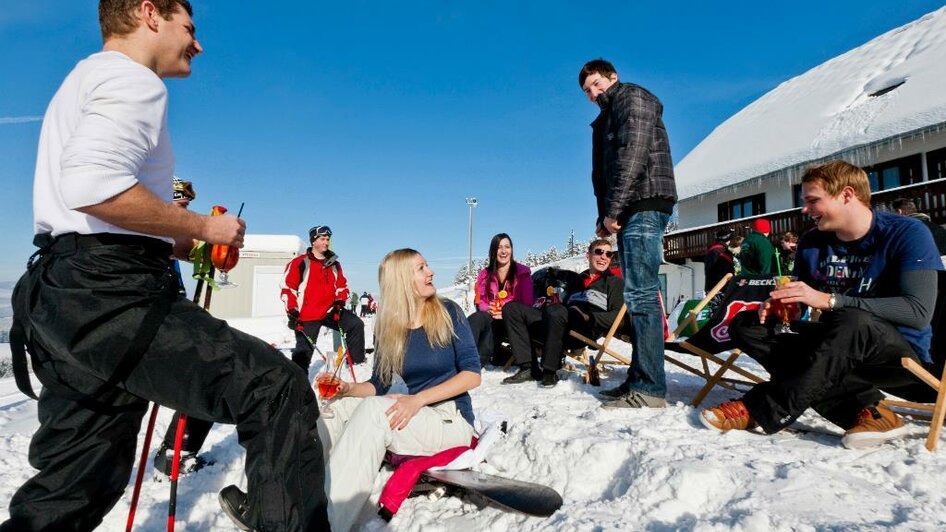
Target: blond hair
column 837, row 174
column 397, row 310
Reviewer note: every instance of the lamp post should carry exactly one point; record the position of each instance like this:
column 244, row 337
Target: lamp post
column 472, row 203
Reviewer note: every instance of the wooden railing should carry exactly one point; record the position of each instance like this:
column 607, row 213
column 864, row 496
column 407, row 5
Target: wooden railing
column 929, row 196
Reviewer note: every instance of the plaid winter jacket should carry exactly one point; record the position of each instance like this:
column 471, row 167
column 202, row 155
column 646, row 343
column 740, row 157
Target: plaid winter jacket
column 631, row 166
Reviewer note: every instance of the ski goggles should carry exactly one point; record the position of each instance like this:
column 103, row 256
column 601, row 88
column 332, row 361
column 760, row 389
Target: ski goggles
column 320, row 230
column 184, row 190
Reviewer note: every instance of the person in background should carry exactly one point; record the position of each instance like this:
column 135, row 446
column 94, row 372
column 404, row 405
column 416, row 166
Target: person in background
column 196, row 430
column 719, row 260
column 758, row 253
column 735, row 248
column 632, row 176
column 787, row 244
column 427, row 342
column 589, row 308
column 501, row 281
column 872, row 274
column 314, row 290
column 906, row 207
column 365, row 301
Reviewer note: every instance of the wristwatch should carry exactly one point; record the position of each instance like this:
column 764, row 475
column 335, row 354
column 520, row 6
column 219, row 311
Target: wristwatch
column 832, row 301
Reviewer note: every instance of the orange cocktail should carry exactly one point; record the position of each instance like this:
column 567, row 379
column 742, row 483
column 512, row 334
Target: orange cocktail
column 785, row 312
column 328, row 385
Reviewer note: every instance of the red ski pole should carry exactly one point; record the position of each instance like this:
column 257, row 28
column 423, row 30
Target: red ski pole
column 145, row 449
column 176, row 469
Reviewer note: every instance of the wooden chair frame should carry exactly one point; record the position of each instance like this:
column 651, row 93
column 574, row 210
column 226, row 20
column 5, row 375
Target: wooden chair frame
column 936, row 410
column 712, row 378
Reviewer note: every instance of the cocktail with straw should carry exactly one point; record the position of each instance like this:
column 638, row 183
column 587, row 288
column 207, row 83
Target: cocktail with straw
column 224, row 257
column 786, row 312
column 328, row 382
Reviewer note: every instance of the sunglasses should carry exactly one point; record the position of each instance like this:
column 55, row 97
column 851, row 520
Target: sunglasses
column 606, row 253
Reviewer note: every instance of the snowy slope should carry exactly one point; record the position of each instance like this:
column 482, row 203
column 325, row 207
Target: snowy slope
column 829, row 108
column 617, row 470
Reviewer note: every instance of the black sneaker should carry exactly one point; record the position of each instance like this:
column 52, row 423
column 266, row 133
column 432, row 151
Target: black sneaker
column 549, row 378
column 235, row 504
column 613, row 393
column 523, row 375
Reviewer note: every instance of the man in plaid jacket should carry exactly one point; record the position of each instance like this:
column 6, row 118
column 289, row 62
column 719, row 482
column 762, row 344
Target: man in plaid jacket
column 632, row 173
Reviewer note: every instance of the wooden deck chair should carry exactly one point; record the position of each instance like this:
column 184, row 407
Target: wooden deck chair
column 936, row 410
column 712, row 340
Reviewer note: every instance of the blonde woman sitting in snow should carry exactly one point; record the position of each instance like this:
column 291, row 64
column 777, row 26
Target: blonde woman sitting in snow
column 425, row 340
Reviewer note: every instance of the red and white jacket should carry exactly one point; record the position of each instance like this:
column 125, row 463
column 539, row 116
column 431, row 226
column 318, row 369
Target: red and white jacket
column 311, row 285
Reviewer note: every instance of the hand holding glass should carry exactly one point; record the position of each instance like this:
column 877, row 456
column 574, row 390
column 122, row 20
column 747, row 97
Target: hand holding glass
column 785, row 312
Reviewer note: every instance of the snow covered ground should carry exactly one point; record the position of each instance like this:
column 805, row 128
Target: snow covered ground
column 617, row 470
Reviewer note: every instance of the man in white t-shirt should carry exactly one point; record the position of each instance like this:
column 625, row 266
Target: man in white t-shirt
column 99, row 312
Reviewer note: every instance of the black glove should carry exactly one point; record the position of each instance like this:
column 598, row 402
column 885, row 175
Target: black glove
column 293, row 315
column 336, row 311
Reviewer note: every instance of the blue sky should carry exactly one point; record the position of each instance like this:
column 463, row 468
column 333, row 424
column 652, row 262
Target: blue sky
column 379, row 118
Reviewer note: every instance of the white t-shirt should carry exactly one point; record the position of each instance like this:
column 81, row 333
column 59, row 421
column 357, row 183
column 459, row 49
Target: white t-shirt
column 104, row 131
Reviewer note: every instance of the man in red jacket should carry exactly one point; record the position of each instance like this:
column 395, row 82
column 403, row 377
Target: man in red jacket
column 314, row 290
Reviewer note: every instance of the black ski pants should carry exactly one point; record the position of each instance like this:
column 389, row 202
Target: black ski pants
column 352, row 326
column 837, row 366
column 89, row 302
column 196, row 431
column 489, row 334
column 548, row 325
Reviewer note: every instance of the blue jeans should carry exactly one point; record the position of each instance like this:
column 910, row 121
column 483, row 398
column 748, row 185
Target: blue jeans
column 640, row 244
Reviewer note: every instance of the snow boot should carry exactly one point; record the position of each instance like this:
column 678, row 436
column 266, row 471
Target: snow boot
column 235, row 504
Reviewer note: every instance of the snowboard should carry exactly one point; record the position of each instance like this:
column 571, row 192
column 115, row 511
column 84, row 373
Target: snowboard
column 508, row 494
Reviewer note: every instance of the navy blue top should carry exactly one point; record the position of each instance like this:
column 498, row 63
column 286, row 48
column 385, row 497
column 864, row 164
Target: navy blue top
column 426, row 366
column 871, row 266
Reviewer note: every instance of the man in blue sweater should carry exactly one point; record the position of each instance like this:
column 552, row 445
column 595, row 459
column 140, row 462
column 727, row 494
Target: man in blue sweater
column 869, row 273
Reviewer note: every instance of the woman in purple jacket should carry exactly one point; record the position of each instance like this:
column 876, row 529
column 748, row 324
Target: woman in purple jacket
column 501, row 281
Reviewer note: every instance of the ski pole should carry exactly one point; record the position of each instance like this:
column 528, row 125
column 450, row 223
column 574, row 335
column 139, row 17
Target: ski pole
column 351, row 365
column 176, row 469
column 197, row 291
column 311, row 343
column 209, row 291
column 145, row 449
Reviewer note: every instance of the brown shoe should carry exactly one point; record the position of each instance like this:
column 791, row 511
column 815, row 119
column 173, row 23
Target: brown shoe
column 727, row 416
column 875, row 425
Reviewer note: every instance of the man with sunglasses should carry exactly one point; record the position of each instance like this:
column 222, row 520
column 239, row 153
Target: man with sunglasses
column 589, row 307
column 632, row 174
column 315, row 291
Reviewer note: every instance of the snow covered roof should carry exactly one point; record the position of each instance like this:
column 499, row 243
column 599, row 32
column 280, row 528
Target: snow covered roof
column 832, row 107
column 273, row 244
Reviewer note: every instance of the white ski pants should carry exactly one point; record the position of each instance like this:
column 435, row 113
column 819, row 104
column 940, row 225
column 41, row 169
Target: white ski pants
column 355, row 439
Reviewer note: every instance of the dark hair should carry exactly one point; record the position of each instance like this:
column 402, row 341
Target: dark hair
column 492, row 267
column 904, row 204
column 595, row 66
column 115, row 16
